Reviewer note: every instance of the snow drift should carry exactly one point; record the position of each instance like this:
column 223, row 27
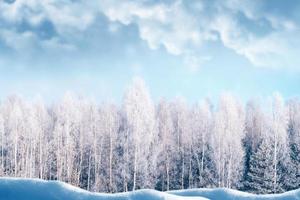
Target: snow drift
column 229, row 194
column 35, row 189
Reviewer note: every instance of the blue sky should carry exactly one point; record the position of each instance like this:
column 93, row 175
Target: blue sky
column 191, row 48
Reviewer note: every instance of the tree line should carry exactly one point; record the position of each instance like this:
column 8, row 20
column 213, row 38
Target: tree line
column 165, row 146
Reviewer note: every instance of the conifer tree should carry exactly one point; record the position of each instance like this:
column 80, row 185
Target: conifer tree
column 259, row 178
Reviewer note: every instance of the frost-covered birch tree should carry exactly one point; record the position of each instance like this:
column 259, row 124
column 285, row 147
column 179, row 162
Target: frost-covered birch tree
column 166, row 146
column 183, row 141
column 227, row 144
column 140, row 118
column 201, row 126
column 279, row 137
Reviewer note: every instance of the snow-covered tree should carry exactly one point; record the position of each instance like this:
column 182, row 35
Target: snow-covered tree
column 140, row 117
column 201, row 127
column 227, row 141
column 94, row 128
column 259, row 177
column 108, row 130
column 166, row 145
column 255, row 131
column 292, row 179
column 41, row 122
column 3, row 146
column 279, row 137
column 182, row 133
column 67, row 133
column 16, row 129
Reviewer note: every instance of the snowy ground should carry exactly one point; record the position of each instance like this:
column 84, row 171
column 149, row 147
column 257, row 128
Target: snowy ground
column 34, row 189
column 228, row 194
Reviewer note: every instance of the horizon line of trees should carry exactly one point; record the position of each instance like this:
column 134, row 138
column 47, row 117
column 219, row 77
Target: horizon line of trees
column 164, row 146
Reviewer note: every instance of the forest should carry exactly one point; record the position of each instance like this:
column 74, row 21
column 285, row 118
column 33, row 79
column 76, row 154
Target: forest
column 110, row 147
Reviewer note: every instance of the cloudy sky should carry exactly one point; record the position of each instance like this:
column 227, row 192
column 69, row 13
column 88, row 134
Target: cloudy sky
column 189, row 48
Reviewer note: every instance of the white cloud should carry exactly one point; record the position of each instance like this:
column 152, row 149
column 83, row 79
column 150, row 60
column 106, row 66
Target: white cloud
column 181, row 27
column 62, row 13
column 274, row 50
column 68, row 19
column 161, row 25
column 27, row 42
column 180, row 30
